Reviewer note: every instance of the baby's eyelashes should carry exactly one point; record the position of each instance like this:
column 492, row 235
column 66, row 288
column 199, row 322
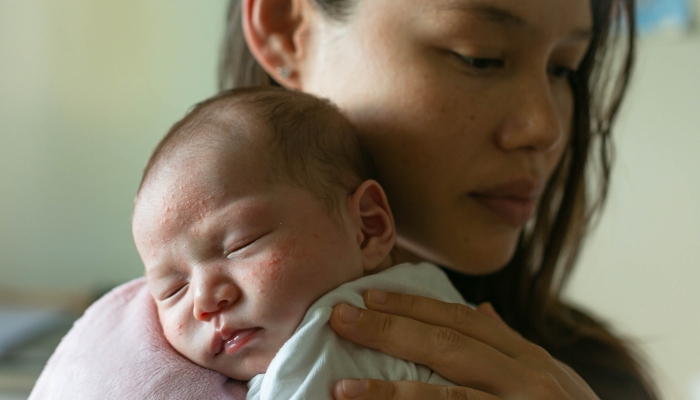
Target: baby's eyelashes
column 172, row 292
column 241, row 246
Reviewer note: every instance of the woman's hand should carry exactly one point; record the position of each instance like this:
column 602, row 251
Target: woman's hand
column 473, row 348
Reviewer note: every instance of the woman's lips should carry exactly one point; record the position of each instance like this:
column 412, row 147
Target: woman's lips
column 514, row 211
column 514, row 203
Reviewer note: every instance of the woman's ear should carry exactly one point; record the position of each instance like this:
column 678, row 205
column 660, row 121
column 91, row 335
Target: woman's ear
column 376, row 234
column 276, row 32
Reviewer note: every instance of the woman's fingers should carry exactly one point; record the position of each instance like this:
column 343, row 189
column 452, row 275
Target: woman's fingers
column 485, row 326
column 473, row 348
column 488, row 310
column 367, row 389
column 455, row 356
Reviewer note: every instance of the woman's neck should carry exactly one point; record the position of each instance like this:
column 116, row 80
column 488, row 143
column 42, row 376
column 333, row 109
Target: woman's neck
column 400, row 255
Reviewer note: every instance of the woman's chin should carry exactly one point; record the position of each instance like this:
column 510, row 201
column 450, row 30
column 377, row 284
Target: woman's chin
column 479, row 266
column 484, row 259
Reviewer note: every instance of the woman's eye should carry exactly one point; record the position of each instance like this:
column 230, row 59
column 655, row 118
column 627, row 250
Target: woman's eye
column 480, row 63
column 562, row 72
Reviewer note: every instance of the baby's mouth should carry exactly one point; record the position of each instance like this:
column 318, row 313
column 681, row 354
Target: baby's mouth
column 232, row 341
column 240, row 339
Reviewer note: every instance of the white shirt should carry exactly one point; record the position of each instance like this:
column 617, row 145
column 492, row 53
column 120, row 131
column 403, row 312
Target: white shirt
column 310, row 363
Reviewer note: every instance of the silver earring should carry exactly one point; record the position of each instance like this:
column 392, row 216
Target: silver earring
column 283, row 72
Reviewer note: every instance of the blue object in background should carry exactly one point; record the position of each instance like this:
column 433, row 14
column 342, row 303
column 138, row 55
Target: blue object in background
column 20, row 325
column 653, row 15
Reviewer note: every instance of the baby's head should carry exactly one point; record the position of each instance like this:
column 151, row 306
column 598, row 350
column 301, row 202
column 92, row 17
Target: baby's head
column 251, row 208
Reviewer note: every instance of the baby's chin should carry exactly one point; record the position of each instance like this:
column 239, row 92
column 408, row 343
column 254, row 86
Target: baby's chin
column 243, row 371
column 241, row 367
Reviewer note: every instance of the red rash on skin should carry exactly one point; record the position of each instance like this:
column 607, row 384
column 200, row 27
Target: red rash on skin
column 299, row 253
column 271, row 274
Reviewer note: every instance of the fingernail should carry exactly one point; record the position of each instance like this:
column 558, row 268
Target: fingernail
column 377, row 296
column 349, row 314
column 354, row 387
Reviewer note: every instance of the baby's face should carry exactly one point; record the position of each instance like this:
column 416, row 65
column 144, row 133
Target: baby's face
column 233, row 264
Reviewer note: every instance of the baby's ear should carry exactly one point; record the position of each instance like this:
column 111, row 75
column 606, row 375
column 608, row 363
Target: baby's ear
column 376, row 233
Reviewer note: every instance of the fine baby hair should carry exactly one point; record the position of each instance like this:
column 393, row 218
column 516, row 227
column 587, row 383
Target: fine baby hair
column 309, row 142
column 255, row 217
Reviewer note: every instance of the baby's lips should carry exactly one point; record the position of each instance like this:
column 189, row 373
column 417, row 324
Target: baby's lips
column 217, row 344
column 240, row 339
column 224, row 335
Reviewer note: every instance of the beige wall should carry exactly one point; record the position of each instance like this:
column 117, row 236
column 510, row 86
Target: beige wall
column 87, row 88
column 642, row 266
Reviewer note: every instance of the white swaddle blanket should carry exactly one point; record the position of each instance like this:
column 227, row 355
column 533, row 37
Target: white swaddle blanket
column 310, row 363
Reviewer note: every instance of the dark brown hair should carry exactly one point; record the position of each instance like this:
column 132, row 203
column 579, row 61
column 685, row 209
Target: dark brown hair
column 527, row 291
column 308, row 141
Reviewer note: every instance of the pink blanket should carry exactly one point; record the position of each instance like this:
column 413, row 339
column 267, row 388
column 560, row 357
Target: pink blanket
column 117, row 351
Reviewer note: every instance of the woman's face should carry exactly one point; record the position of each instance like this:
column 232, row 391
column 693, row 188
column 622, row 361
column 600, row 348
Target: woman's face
column 466, row 107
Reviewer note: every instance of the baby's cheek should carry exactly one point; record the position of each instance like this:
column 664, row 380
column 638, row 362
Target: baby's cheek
column 171, row 327
column 178, row 330
column 286, row 279
column 175, row 329
column 282, row 261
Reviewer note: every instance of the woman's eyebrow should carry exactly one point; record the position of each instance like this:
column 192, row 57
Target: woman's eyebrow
column 487, row 12
column 500, row 16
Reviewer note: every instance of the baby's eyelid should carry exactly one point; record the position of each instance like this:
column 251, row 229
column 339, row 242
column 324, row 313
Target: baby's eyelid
column 481, row 62
column 230, row 254
column 172, row 292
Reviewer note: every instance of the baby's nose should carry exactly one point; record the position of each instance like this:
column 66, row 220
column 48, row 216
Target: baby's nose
column 206, row 315
column 212, row 296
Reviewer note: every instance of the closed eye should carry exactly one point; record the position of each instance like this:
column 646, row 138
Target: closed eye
column 233, row 253
column 480, row 64
column 238, row 248
column 562, row 72
column 171, row 293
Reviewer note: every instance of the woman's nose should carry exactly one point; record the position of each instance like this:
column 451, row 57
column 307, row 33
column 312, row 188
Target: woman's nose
column 213, row 292
column 537, row 119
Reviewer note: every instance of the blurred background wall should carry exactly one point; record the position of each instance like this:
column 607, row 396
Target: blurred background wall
column 87, row 88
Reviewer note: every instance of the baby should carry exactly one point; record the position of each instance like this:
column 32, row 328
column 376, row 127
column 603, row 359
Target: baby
column 256, row 214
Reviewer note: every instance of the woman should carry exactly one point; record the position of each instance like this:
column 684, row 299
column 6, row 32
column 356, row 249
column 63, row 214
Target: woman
column 484, row 119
